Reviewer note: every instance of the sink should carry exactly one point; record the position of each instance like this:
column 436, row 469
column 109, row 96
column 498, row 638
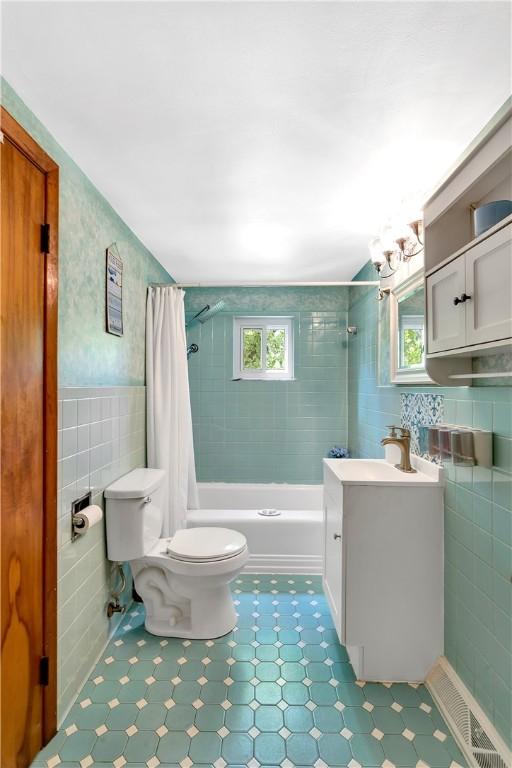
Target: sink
column 382, row 472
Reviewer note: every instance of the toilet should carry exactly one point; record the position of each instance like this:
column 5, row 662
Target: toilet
column 183, row 580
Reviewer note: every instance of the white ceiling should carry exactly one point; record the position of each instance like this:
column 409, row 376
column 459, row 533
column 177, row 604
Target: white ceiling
column 251, row 141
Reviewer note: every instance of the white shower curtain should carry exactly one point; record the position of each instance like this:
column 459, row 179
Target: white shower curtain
column 170, row 443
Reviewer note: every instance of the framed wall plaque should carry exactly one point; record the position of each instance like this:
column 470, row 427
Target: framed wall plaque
column 114, row 291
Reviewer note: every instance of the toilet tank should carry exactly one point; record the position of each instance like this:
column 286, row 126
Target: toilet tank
column 133, row 510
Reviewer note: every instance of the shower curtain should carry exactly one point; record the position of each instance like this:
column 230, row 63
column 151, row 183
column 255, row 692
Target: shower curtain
column 170, row 443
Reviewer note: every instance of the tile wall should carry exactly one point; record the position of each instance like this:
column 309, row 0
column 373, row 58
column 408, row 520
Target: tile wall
column 87, row 226
column 478, row 513
column 261, row 431
column 101, row 437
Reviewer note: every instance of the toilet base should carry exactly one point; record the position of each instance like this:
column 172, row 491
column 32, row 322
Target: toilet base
column 213, row 616
column 189, row 600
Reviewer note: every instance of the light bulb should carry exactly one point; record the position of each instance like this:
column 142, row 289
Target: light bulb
column 400, row 230
column 387, row 240
column 376, row 254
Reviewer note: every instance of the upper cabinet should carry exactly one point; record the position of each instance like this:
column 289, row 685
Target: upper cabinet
column 488, row 273
column 468, row 274
column 469, row 301
column 447, row 325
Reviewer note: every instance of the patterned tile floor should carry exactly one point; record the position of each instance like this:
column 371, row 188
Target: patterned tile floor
column 277, row 691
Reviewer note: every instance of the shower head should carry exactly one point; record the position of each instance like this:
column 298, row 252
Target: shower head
column 210, row 312
column 207, row 312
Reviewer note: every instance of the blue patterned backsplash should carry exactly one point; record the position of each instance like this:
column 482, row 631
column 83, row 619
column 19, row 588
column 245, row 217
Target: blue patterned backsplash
column 420, row 409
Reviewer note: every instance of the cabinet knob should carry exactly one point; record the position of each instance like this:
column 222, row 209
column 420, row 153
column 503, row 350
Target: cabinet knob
column 463, row 298
column 337, row 537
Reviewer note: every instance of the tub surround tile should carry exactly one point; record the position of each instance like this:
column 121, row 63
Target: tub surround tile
column 218, row 703
column 260, row 431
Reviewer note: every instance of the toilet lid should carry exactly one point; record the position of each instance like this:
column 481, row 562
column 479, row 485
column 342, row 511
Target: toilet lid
column 206, row 544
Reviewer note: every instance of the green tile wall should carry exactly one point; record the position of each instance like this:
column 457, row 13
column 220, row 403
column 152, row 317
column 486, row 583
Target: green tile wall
column 87, row 225
column 90, row 356
column 260, row 431
column 101, row 436
column 478, row 513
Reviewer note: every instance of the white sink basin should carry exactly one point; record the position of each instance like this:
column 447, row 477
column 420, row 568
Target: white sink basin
column 382, row 472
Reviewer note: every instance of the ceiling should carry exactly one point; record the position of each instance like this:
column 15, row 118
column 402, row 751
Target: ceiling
column 260, row 140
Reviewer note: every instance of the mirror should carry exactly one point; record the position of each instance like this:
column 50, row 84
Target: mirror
column 407, row 332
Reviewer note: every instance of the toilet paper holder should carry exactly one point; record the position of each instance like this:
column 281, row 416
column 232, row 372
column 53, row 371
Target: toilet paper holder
column 77, row 506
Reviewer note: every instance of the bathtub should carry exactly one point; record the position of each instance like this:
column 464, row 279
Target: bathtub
column 288, row 543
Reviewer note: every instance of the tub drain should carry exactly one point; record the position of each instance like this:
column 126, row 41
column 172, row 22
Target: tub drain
column 269, row 512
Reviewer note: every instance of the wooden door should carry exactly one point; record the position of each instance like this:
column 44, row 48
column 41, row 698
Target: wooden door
column 28, row 446
column 489, row 286
column 446, row 321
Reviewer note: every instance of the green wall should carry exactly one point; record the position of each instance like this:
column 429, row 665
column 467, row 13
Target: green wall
column 478, row 512
column 266, row 431
column 87, row 225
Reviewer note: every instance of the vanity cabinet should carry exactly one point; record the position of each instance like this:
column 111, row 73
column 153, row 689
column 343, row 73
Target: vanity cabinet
column 334, row 580
column 469, row 300
column 383, row 566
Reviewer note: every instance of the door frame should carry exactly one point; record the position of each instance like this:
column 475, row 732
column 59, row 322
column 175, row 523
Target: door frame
column 18, row 136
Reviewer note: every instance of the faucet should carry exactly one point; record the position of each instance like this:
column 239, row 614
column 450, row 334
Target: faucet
column 404, row 443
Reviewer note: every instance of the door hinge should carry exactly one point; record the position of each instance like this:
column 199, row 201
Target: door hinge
column 45, row 238
column 44, row 670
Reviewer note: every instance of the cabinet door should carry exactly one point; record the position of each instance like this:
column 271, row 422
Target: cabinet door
column 489, row 284
column 333, row 575
column 446, row 321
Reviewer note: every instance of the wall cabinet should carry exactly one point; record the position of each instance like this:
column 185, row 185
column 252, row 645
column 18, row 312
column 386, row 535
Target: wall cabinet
column 477, row 268
column 446, row 321
column 469, row 301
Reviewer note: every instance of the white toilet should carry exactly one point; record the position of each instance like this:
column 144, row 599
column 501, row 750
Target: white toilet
column 183, row 580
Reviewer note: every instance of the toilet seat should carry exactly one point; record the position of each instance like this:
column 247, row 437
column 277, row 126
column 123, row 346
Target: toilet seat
column 205, row 545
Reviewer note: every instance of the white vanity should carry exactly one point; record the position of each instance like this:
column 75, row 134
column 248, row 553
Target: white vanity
column 383, row 565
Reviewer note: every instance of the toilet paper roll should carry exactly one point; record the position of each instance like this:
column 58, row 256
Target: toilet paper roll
column 86, row 518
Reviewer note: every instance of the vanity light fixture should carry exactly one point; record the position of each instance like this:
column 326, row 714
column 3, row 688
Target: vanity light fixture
column 381, row 257
column 408, row 237
column 398, row 242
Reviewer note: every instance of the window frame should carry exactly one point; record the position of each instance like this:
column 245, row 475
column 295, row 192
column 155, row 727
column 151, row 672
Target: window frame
column 402, row 286
column 265, row 324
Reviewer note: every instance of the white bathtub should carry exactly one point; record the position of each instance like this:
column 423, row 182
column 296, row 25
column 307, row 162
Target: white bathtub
column 289, row 543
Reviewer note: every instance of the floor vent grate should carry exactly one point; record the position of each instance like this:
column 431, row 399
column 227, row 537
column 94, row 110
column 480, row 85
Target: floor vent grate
column 473, row 731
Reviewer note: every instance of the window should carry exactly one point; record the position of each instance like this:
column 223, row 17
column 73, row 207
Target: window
column 263, row 348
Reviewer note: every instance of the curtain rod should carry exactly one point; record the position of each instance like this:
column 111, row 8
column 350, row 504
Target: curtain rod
column 268, row 284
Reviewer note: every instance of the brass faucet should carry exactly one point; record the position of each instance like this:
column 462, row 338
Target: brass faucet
column 404, row 443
